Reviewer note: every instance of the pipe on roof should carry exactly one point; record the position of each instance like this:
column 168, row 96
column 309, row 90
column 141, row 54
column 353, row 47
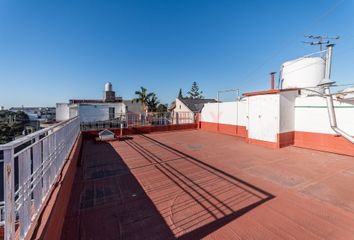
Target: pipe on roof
column 329, row 99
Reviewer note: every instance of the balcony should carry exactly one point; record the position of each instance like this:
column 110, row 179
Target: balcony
column 154, row 183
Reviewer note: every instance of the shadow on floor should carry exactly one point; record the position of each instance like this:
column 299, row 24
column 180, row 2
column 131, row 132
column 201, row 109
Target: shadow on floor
column 107, row 201
column 208, row 198
column 179, row 196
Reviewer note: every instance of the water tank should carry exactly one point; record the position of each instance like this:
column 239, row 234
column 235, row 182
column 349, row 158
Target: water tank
column 108, row 87
column 303, row 72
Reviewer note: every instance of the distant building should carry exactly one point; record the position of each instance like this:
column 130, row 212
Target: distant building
column 41, row 114
column 190, row 105
column 109, row 108
column 133, row 107
column 184, row 109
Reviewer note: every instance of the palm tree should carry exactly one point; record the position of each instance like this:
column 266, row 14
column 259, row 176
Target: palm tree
column 143, row 97
column 152, row 102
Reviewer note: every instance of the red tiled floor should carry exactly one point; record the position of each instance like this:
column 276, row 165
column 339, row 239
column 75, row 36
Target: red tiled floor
column 194, row 184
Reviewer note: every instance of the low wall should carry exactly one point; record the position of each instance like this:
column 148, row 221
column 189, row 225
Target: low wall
column 229, row 129
column 145, row 129
column 313, row 129
column 303, row 122
column 50, row 220
column 323, row 142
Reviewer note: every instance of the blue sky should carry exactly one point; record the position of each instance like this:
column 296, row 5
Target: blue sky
column 52, row 51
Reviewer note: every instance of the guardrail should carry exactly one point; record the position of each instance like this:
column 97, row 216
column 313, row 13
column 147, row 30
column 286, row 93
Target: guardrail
column 30, row 167
column 141, row 120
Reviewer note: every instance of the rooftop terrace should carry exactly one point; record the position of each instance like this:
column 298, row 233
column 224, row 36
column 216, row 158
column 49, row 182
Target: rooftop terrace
column 193, row 184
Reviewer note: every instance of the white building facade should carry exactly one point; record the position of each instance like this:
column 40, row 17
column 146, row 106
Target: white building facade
column 109, row 108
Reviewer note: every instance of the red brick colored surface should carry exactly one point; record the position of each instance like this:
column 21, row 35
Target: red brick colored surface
column 197, row 184
column 229, row 129
column 324, row 142
column 146, row 129
column 271, row 91
column 286, row 139
column 316, row 141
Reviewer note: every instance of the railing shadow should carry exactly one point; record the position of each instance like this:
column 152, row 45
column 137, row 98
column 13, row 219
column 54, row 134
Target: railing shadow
column 107, row 201
column 207, row 197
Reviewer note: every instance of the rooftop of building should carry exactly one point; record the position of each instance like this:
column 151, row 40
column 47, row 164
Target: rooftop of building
column 76, row 101
column 196, row 105
column 193, row 184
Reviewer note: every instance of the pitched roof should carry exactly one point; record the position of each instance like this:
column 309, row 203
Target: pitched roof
column 196, row 105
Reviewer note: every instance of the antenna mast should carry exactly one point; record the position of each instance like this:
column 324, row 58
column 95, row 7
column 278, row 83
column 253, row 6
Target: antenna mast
column 320, row 40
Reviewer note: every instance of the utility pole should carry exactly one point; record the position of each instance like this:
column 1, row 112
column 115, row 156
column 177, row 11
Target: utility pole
column 320, row 40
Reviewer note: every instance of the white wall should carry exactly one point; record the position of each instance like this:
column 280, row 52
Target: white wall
column 180, row 107
column 62, row 112
column 98, row 111
column 231, row 113
column 185, row 115
column 311, row 115
column 287, row 111
column 263, row 117
column 267, row 115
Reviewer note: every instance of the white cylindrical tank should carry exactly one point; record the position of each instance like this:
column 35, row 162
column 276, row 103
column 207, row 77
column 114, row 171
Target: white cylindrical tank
column 303, row 72
column 108, row 87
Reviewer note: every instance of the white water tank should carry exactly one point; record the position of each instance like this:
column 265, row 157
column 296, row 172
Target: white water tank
column 108, row 87
column 303, row 72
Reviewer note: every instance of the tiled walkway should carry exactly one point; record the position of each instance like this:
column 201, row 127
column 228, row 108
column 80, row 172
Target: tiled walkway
column 194, row 184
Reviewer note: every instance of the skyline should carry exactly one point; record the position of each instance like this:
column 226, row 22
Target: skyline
column 56, row 51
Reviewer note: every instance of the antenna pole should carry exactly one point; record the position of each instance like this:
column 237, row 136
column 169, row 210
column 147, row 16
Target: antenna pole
column 321, row 40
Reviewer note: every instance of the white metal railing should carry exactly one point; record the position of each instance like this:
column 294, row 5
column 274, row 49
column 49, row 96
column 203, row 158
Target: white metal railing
column 30, row 166
column 141, row 120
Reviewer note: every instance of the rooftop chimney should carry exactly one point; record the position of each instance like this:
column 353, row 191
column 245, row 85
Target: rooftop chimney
column 272, row 80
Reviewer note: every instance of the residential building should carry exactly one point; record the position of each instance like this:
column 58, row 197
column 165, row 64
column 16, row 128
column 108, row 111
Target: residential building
column 108, row 108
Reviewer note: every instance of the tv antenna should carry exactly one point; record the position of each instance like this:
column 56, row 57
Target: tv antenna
column 320, row 40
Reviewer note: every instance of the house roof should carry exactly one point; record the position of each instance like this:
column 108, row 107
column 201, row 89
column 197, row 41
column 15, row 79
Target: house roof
column 196, row 105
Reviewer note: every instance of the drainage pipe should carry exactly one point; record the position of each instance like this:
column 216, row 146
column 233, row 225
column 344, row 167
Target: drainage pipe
column 329, row 99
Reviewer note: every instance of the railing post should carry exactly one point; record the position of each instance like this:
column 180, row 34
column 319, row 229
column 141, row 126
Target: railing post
column 9, row 193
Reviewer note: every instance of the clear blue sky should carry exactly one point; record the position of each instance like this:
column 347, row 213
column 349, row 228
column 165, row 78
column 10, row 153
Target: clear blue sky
column 51, row 51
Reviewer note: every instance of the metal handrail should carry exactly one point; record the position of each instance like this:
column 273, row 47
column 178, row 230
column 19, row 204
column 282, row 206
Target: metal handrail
column 39, row 163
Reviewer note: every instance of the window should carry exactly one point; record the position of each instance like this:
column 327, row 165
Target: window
column 111, row 113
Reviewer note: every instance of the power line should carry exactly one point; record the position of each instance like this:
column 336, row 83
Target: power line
column 286, row 43
column 321, row 40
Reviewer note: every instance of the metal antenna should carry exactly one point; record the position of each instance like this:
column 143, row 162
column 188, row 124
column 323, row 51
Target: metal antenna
column 321, row 40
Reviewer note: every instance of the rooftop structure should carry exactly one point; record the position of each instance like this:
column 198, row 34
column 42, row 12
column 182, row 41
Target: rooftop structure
column 195, row 105
column 91, row 110
column 279, row 165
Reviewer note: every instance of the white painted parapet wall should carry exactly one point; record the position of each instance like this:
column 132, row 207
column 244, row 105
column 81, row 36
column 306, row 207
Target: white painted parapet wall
column 279, row 118
column 311, row 115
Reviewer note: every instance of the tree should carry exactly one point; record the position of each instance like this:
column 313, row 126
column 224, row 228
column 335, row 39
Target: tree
column 12, row 125
column 180, row 94
column 152, row 102
column 142, row 97
column 194, row 93
column 161, row 108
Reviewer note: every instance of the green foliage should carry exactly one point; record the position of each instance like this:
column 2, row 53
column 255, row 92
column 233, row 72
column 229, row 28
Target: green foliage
column 194, row 93
column 180, row 94
column 142, row 97
column 149, row 101
column 161, row 108
column 152, row 103
column 12, row 124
